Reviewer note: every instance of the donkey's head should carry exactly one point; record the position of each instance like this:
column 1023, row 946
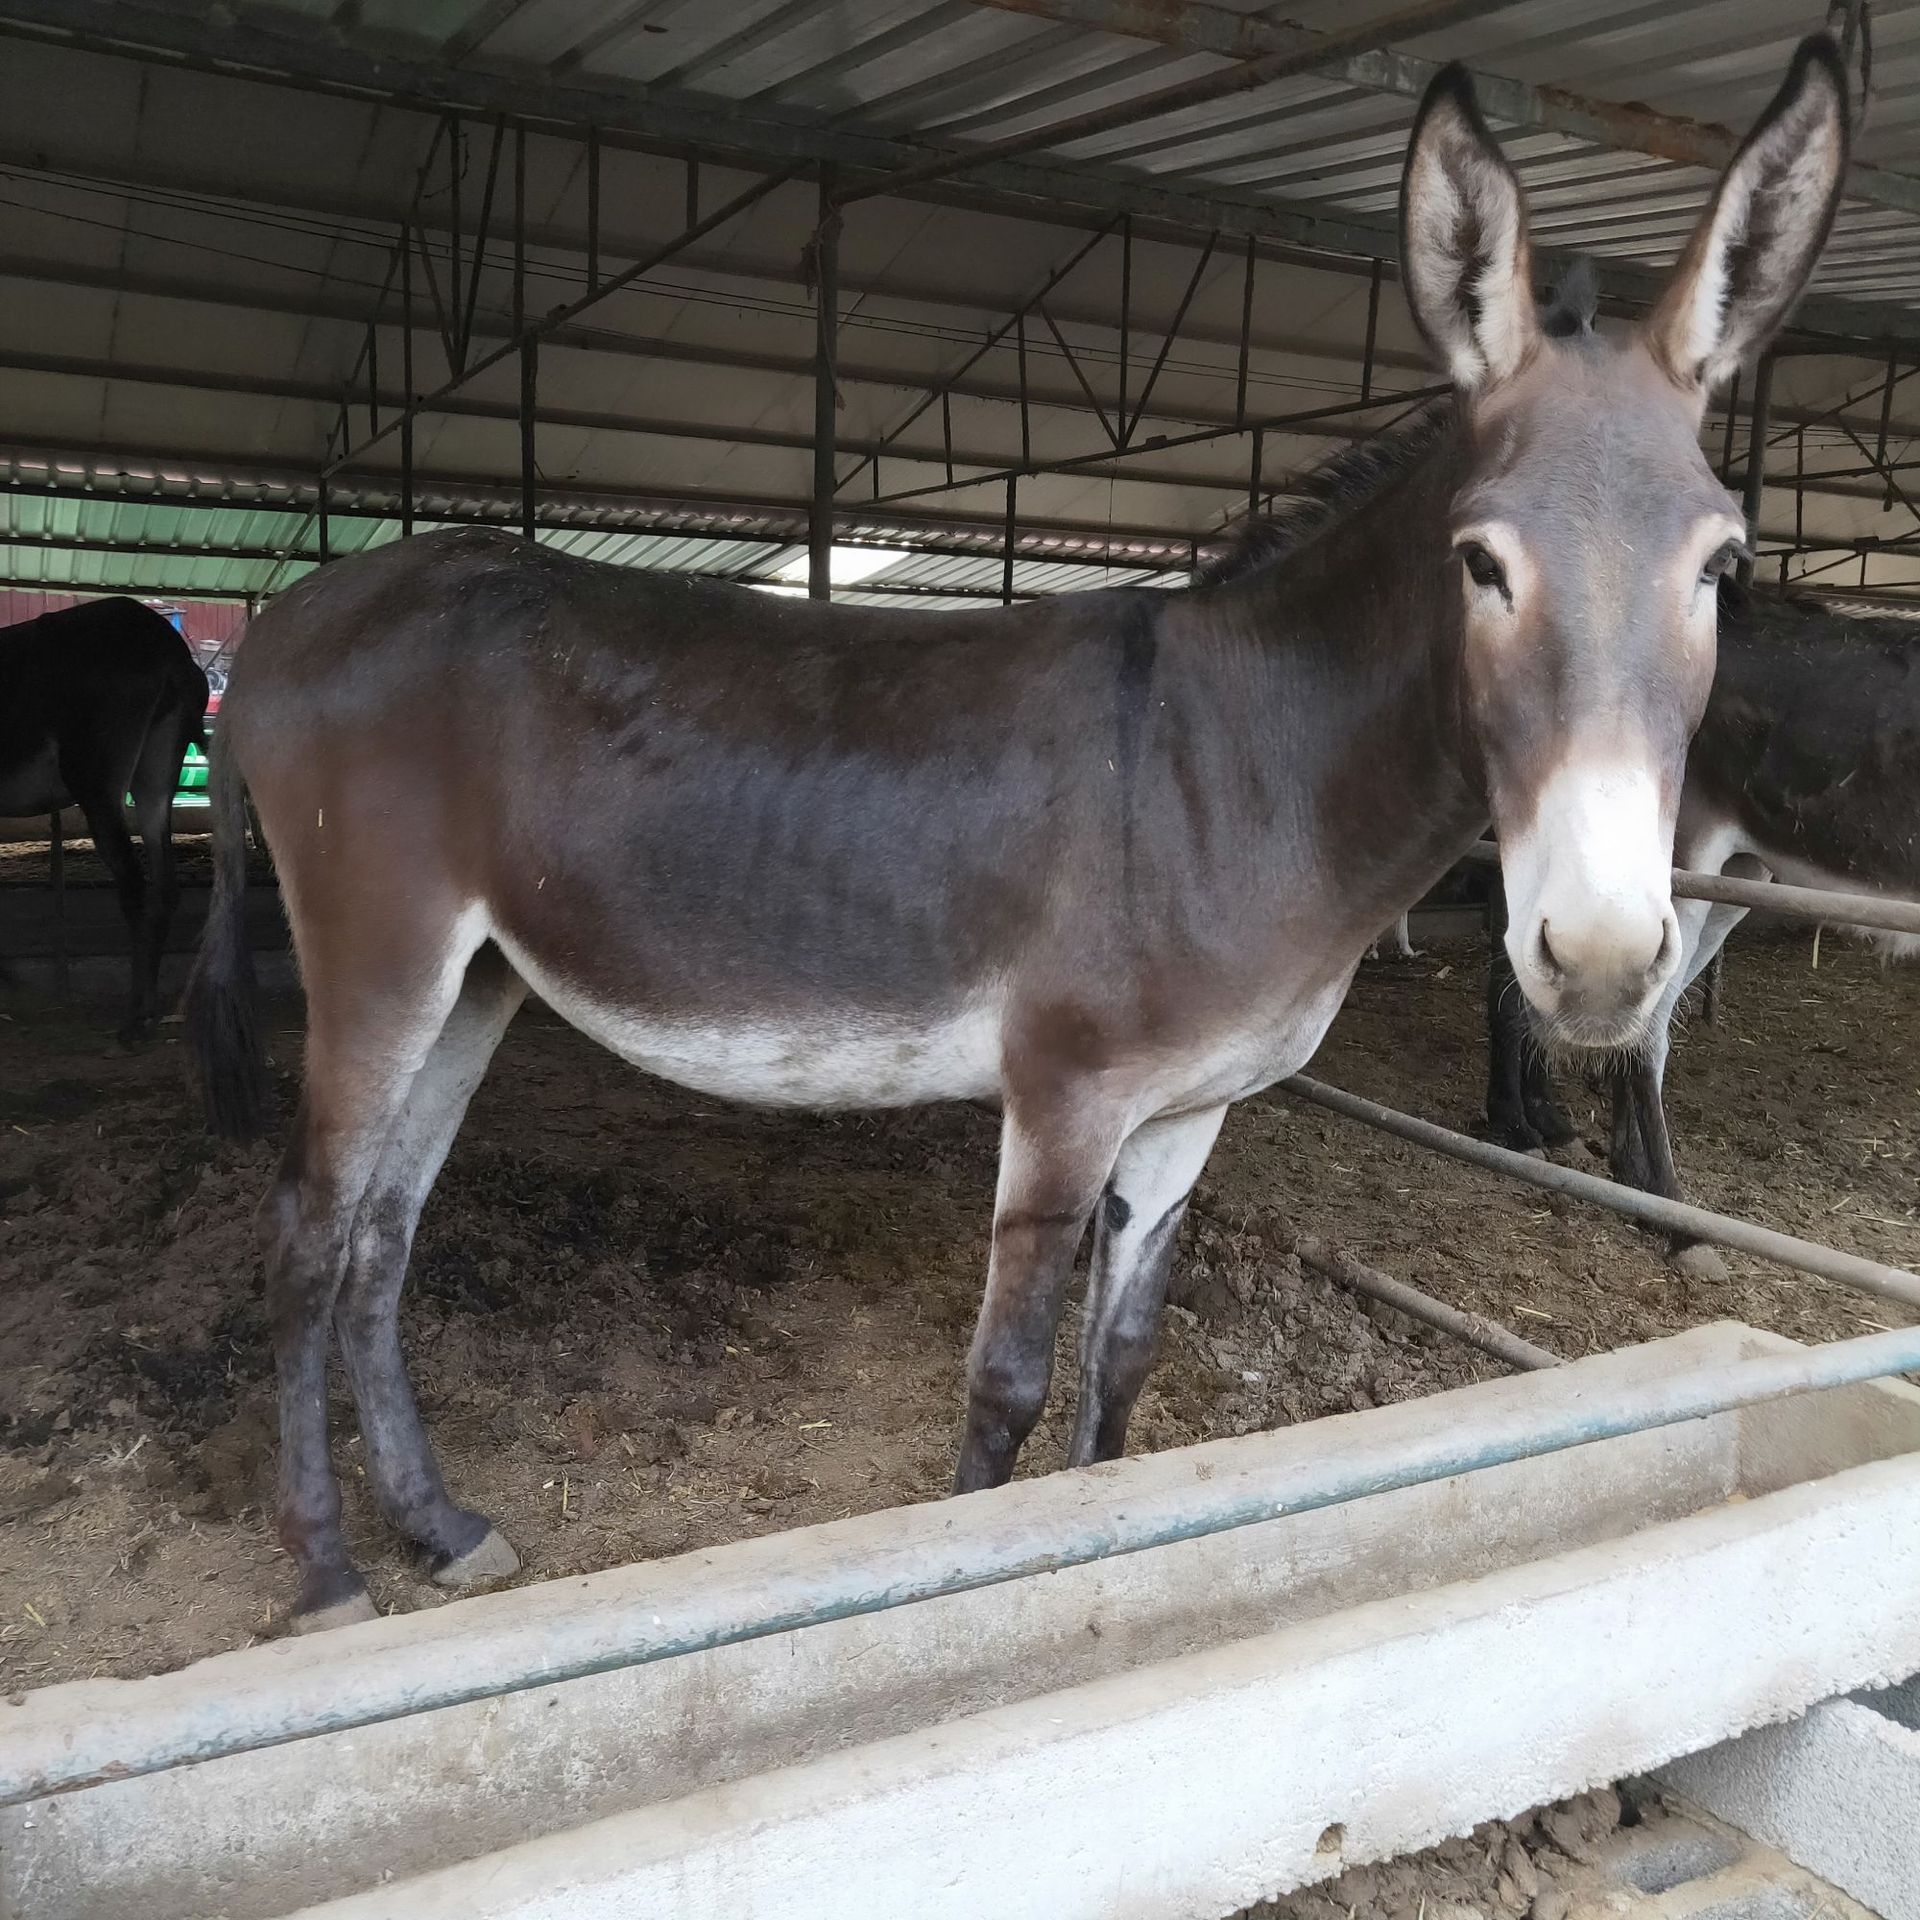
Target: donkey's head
column 1588, row 530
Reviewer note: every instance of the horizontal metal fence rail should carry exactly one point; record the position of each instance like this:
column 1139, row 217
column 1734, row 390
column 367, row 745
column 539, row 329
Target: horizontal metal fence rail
column 1821, row 905
column 1648, row 1209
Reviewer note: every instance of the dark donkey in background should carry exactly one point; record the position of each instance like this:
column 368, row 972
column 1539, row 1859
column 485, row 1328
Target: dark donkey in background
column 1806, row 766
column 1108, row 860
column 97, row 702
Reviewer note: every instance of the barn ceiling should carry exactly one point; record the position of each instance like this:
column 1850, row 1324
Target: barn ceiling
column 200, row 212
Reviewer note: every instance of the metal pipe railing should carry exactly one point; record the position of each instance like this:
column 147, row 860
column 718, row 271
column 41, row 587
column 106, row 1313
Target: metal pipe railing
column 507, row 1648
column 1819, row 904
column 1475, row 1329
column 1648, row 1209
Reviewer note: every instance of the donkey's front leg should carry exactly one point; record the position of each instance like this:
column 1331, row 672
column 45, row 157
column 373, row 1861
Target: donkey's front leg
column 1132, row 1256
column 1050, row 1176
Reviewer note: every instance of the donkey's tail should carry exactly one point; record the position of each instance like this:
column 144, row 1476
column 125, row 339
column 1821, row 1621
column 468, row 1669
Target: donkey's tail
column 222, row 1029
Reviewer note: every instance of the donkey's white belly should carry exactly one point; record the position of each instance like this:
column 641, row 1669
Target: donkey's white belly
column 850, row 1058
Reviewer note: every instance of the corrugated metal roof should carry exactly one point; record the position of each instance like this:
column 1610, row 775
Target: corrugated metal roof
column 958, row 72
column 196, row 255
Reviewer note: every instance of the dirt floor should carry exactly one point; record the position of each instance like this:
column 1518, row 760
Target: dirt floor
column 642, row 1322
column 1538, row 1866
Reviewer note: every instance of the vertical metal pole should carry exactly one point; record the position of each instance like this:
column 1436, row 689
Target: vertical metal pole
column 1373, row 327
column 1726, row 442
column 1026, row 417
column 1886, row 415
column 320, row 519
column 529, row 345
column 826, row 299
column 693, row 188
column 373, row 376
column 1800, row 487
column 519, row 230
column 1126, row 323
column 946, row 429
column 529, row 399
column 593, row 209
column 57, row 878
column 454, row 169
column 1711, row 1001
column 1006, row 552
column 406, row 381
column 1246, row 339
column 1253, row 474
column 1757, row 455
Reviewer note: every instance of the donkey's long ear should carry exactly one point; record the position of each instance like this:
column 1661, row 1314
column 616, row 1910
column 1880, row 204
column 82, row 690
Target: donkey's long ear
column 1756, row 245
column 1464, row 254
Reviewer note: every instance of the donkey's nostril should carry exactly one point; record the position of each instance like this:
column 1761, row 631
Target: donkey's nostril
column 1545, row 956
column 1663, row 961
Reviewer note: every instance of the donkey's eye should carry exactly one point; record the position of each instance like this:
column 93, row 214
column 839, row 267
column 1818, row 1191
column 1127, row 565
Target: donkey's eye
column 1482, row 568
column 1723, row 561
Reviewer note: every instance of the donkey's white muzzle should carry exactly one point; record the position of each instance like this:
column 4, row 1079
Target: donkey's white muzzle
column 1590, row 923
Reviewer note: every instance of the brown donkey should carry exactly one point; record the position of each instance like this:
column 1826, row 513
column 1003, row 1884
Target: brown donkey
column 1108, row 860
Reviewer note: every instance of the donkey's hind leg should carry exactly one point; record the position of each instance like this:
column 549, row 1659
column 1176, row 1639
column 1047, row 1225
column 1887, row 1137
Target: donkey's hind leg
column 107, row 824
column 156, row 778
column 401, row 1466
column 1133, row 1249
column 365, row 1047
column 1052, row 1169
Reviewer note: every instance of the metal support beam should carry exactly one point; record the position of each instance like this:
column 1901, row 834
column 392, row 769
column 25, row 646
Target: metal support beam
column 1166, row 345
column 1107, row 464
column 1726, row 441
column 466, row 497
column 1011, row 541
column 825, row 259
column 1015, row 321
column 529, row 419
column 320, row 519
column 1373, row 330
column 1886, row 418
column 560, row 315
column 1757, row 455
column 593, row 210
column 408, row 396
column 275, row 54
column 1357, row 57
column 1246, row 337
column 529, row 341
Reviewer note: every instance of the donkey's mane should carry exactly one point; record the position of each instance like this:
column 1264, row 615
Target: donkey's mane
column 1327, row 494
column 1781, row 616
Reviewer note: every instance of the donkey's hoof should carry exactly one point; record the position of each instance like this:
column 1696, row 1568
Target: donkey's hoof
column 492, row 1559
column 1702, row 1263
column 349, row 1612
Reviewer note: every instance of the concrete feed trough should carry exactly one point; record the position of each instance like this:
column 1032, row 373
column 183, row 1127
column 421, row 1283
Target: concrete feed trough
column 1178, row 1731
